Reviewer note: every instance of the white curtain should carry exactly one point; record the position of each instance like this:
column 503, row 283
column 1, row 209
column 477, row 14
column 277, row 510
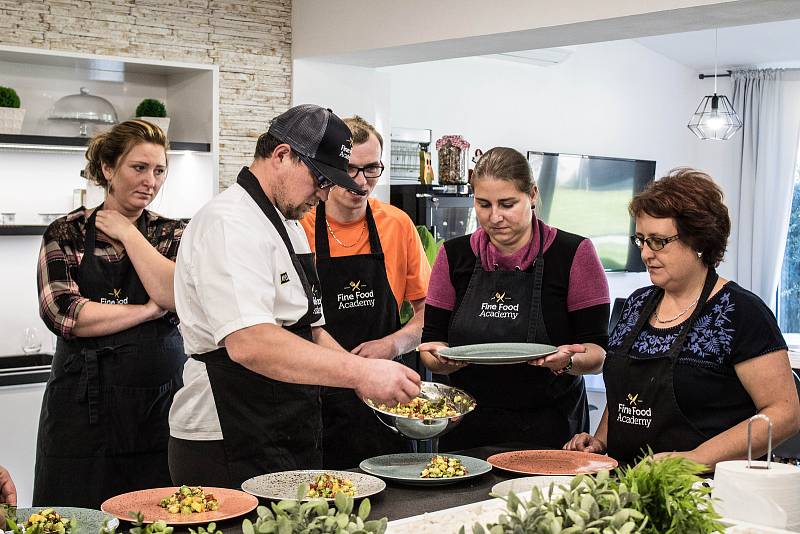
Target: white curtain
column 765, row 160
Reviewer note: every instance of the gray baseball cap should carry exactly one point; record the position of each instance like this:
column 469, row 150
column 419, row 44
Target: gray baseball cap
column 322, row 140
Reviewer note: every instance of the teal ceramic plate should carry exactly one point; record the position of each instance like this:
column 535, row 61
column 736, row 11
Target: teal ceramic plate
column 405, row 468
column 87, row 521
column 497, row 353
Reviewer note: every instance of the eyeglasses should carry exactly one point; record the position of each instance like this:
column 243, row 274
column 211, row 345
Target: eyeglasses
column 322, row 181
column 654, row 243
column 371, row 172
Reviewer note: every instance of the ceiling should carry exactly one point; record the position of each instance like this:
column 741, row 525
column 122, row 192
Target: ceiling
column 767, row 45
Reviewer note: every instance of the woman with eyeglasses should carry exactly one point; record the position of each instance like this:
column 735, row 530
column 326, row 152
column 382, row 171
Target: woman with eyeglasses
column 516, row 279
column 693, row 356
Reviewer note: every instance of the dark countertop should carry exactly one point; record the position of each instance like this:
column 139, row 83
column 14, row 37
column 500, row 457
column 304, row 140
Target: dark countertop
column 398, row 501
column 25, row 369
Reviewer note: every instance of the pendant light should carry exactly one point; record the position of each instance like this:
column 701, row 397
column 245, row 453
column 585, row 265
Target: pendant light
column 715, row 119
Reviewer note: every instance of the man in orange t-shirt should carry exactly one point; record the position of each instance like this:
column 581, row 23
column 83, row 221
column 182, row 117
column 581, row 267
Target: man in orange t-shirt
column 369, row 260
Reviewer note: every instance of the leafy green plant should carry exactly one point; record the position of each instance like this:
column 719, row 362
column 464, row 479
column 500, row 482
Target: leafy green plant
column 671, row 494
column 431, row 247
column 8, row 98
column 150, row 107
column 314, row 517
column 589, row 505
column 158, row 527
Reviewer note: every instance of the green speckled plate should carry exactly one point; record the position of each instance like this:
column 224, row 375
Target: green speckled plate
column 87, row 521
column 405, row 468
column 497, row 353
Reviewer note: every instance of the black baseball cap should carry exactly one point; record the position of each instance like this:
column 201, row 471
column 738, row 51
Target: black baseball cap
column 318, row 135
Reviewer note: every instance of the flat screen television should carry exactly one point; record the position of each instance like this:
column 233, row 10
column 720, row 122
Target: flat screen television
column 589, row 195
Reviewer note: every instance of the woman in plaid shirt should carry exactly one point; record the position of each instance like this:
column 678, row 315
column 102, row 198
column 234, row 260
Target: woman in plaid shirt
column 105, row 289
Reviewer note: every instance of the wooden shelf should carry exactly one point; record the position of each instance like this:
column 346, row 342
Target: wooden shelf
column 39, row 141
column 22, row 229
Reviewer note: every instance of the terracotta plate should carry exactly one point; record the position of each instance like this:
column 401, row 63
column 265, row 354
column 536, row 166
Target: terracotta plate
column 283, row 485
column 551, row 462
column 232, row 503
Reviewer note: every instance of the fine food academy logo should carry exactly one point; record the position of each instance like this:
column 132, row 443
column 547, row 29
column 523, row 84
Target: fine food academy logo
column 629, row 412
column 116, row 295
column 499, row 306
column 356, row 295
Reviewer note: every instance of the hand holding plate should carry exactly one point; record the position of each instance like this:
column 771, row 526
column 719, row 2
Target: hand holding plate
column 433, row 348
column 560, row 359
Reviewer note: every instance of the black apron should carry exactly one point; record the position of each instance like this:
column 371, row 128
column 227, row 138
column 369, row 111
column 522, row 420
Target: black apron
column 103, row 428
column 642, row 408
column 359, row 306
column 516, row 403
column 268, row 425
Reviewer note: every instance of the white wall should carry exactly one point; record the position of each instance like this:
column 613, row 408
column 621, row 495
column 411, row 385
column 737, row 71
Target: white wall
column 348, row 91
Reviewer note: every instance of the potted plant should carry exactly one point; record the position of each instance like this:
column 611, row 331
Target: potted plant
column 11, row 114
column 153, row 111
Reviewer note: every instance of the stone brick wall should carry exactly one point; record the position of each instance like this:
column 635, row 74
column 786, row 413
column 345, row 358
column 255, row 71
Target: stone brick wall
column 250, row 41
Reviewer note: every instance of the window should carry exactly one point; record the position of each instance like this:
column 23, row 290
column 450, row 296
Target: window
column 789, row 287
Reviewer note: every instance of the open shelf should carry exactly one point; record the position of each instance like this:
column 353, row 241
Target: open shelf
column 22, row 229
column 39, row 141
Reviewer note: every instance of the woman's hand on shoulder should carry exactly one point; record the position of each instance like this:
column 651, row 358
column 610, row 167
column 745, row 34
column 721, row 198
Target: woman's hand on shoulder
column 585, row 443
column 433, row 348
column 115, row 225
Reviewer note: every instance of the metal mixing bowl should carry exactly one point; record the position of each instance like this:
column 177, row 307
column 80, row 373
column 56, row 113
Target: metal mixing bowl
column 413, row 428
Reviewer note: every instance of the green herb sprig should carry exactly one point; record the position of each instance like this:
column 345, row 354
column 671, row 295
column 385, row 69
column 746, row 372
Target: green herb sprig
column 314, row 516
column 588, row 505
column 672, row 495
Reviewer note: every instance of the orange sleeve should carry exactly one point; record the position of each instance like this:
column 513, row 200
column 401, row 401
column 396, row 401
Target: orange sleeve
column 307, row 223
column 418, row 270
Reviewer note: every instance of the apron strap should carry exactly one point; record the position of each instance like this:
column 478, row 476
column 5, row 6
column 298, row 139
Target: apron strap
column 90, row 240
column 249, row 183
column 536, row 320
column 87, row 361
column 650, row 306
column 322, row 242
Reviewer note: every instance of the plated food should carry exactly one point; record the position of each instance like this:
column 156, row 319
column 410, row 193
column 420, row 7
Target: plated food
column 190, row 500
column 50, row 520
column 283, row 485
column 229, row 503
column 443, row 467
column 327, row 486
column 421, row 408
column 407, row 468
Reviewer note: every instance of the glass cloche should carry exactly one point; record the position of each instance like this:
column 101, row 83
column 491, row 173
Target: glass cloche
column 84, row 108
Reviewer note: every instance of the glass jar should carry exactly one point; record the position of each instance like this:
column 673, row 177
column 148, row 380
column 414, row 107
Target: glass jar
column 452, row 151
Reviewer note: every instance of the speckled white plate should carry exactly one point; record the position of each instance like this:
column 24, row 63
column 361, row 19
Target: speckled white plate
column 87, row 521
column 525, row 484
column 283, row 485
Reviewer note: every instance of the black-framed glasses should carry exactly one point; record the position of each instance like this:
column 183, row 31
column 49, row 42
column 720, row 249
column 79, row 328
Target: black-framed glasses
column 323, row 182
column 371, row 172
column 654, row 243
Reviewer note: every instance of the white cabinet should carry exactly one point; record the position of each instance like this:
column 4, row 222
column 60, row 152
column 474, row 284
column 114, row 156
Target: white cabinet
column 40, row 168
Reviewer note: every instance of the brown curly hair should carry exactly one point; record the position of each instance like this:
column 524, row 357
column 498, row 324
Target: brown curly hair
column 695, row 202
column 111, row 146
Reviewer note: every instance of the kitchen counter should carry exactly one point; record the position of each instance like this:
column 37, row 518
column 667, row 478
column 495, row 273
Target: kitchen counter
column 398, row 501
column 25, row 369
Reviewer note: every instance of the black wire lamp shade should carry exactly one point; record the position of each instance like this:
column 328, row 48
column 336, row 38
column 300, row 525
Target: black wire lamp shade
column 715, row 119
